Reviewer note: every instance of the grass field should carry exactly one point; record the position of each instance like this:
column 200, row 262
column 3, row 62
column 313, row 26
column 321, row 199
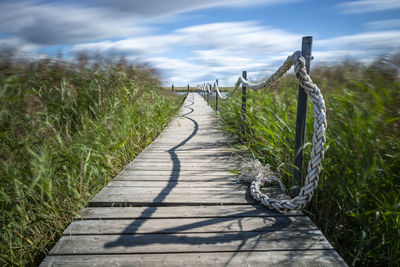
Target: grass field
column 357, row 204
column 66, row 129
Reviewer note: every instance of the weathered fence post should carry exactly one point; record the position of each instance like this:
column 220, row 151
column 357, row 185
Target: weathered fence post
column 301, row 119
column 172, row 88
column 216, row 96
column 208, row 94
column 244, row 93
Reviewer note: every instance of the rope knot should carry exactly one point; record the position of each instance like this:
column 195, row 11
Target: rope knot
column 254, row 171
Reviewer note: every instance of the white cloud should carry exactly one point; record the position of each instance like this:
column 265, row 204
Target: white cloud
column 194, row 53
column 240, row 37
column 156, row 8
column 384, row 24
column 55, row 23
column 16, row 45
column 223, row 50
column 144, row 46
column 367, row 40
column 364, row 6
column 177, row 71
column 216, row 50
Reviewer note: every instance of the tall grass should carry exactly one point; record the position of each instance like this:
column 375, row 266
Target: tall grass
column 357, row 204
column 66, row 129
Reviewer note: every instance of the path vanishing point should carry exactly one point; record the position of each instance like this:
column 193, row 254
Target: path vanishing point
column 177, row 204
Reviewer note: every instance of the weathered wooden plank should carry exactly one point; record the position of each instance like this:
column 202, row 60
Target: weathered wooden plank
column 126, row 200
column 193, row 149
column 204, row 172
column 296, row 258
column 178, row 184
column 191, row 142
column 189, row 160
column 195, row 242
column 217, row 211
column 206, row 157
column 172, row 189
column 182, row 166
column 211, row 165
column 192, row 225
column 191, row 153
column 166, row 146
column 115, row 196
column 158, row 176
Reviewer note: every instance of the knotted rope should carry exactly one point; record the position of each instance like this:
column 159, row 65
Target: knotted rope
column 206, row 87
column 258, row 175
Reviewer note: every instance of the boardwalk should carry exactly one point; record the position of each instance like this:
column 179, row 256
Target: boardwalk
column 177, row 204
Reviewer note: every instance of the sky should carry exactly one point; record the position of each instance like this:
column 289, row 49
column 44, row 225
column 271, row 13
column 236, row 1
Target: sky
column 192, row 41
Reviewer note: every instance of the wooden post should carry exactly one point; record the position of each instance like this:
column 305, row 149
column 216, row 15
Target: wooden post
column 244, row 94
column 172, row 88
column 216, row 97
column 301, row 119
column 208, row 94
column 188, row 88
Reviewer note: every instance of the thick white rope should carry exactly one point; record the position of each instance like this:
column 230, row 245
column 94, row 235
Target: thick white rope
column 258, row 175
column 205, row 87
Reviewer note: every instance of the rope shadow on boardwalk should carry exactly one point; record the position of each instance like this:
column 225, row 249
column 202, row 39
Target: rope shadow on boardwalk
column 174, row 235
column 174, row 176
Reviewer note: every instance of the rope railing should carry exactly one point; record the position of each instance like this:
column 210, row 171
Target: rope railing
column 259, row 175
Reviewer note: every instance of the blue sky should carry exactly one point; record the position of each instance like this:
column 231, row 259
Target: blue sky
column 190, row 41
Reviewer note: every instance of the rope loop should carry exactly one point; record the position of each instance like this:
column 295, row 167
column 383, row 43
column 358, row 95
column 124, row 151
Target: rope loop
column 259, row 175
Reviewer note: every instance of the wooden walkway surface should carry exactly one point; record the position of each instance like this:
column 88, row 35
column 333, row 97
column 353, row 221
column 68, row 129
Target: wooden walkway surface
column 177, row 204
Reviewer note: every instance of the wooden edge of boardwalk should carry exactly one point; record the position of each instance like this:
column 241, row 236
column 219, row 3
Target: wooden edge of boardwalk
column 177, row 204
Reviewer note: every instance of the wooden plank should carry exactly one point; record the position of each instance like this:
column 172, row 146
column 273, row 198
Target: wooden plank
column 192, row 149
column 189, row 154
column 296, row 258
column 196, row 242
column 172, row 189
column 204, row 157
column 204, row 172
column 178, row 184
column 177, row 177
column 189, row 160
column 192, row 225
column 166, row 146
column 126, row 200
column 131, row 196
column 207, row 165
column 182, row 166
column 218, row 211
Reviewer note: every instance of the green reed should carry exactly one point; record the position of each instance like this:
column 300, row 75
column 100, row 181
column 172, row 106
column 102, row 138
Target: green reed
column 357, row 204
column 66, row 129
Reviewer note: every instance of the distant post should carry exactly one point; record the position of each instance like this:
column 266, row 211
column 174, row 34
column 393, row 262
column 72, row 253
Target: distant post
column 244, row 94
column 172, row 88
column 208, row 94
column 301, row 119
column 216, row 97
column 188, row 88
